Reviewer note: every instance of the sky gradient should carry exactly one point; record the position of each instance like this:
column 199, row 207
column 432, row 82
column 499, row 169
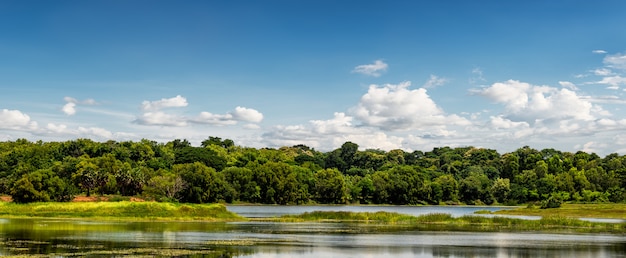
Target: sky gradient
column 408, row 75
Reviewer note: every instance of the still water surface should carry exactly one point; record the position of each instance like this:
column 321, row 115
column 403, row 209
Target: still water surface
column 83, row 238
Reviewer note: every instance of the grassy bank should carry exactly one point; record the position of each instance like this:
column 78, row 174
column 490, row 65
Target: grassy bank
column 596, row 210
column 346, row 216
column 465, row 223
column 120, row 211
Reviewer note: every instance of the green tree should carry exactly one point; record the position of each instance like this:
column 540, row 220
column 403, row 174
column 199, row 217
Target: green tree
column 500, row 189
column 165, row 187
column 330, row 186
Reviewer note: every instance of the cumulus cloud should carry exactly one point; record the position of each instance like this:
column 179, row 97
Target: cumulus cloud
column 178, row 101
column 499, row 122
column 240, row 114
column 374, row 69
column 330, row 134
column 247, row 115
column 16, row 120
column 70, row 107
column 598, row 51
column 396, row 107
column 57, row 129
column 153, row 115
column 215, row 119
column 537, row 103
column 435, row 81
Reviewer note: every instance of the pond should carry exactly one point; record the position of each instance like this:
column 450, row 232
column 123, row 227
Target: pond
column 255, row 239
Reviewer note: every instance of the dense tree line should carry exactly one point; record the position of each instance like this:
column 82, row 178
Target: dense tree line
column 220, row 171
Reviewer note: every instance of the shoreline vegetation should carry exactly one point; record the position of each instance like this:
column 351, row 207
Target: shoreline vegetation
column 445, row 222
column 553, row 220
column 124, row 210
column 572, row 210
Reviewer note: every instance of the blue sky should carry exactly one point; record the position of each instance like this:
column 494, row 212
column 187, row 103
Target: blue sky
column 411, row 75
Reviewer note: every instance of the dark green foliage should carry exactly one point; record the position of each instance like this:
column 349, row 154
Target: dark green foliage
column 554, row 201
column 220, row 171
column 199, row 154
column 41, row 186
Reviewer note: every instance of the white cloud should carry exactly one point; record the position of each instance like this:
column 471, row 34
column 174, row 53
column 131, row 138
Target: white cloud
column 598, row 51
column 396, row 107
column 69, row 108
column 57, row 129
column 16, row 120
column 96, row 132
column 247, row 115
column 251, row 126
column 602, row 72
column 215, row 119
column 160, row 118
column 330, row 134
column 569, row 85
column 617, row 61
column 231, row 118
column 613, row 82
column 374, row 69
column 153, row 115
column 535, row 103
column 435, row 81
column 178, row 101
column 499, row 122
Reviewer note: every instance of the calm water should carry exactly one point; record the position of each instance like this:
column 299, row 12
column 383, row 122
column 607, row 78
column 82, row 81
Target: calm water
column 72, row 238
column 264, row 211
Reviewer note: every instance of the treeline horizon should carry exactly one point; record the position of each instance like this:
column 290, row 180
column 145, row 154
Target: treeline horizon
column 220, row 171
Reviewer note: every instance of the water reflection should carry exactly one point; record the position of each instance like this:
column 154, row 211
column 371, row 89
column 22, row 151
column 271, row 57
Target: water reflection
column 264, row 211
column 65, row 238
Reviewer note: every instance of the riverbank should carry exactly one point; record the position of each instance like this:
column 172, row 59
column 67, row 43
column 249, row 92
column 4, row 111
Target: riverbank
column 124, row 210
column 595, row 210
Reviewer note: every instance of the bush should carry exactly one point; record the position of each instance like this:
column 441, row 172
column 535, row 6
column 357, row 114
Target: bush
column 555, row 200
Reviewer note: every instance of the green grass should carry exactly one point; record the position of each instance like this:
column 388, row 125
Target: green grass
column 596, row 210
column 345, row 216
column 441, row 221
column 120, row 210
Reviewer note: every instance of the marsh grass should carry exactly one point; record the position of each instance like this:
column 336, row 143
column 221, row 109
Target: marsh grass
column 345, row 216
column 442, row 221
column 119, row 210
column 596, row 210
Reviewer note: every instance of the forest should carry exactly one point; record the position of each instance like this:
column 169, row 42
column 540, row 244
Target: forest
column 220, row 171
